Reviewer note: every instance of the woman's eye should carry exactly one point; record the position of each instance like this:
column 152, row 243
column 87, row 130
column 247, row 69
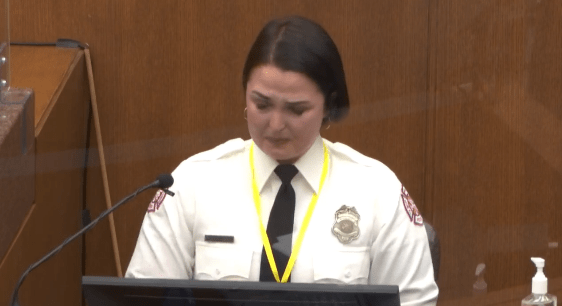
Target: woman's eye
column 297, row 111
column 262, row 105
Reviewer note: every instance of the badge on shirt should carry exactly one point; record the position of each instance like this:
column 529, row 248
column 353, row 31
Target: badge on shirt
column 346, row 226
column 156, row 201
column 411, row 208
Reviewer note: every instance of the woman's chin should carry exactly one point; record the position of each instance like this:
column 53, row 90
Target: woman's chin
column 287, row 161
column 281, row 156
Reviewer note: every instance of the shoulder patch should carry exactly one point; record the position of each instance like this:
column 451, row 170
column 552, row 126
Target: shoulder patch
column 411, row 208
column 156, row 201
column 220, row 151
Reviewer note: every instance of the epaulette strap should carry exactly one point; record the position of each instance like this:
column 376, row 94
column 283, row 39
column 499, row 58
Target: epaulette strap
column 353, row 155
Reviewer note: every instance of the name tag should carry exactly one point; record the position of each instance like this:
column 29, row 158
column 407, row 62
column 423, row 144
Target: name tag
column 223, row 239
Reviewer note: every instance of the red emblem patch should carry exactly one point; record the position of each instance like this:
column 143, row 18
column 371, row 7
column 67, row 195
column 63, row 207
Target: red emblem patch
column 156, row 201
column 411, row 208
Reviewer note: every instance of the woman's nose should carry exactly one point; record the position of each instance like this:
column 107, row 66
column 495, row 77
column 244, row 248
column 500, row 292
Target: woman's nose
column 277, row 121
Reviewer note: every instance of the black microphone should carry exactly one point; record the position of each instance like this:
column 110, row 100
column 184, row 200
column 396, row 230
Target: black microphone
column 163, row 181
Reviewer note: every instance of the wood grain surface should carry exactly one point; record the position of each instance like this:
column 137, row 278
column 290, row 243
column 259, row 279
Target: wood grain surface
column 59, row 161
column 497, row 128
column 460, row 98
column 17, row 162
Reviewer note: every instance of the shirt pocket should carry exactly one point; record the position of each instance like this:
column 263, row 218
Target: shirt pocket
column 345, row 266
column 219, row 261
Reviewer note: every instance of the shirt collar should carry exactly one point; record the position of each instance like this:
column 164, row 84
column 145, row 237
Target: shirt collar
column 309, row 165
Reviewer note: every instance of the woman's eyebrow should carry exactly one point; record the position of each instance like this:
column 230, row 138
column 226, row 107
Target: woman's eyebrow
column 259, row 94
column 297, row 103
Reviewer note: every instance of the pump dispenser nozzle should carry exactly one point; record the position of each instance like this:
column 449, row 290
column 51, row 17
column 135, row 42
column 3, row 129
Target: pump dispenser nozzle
column 539, row 297
column 540, row 282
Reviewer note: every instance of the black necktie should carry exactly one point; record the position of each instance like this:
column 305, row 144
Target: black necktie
column 280, row 225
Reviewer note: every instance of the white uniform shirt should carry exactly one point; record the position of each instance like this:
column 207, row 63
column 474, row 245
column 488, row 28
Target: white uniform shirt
column 213, row 196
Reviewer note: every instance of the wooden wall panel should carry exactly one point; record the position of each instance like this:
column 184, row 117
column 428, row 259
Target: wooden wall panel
column 459, row 98
column 497, row 125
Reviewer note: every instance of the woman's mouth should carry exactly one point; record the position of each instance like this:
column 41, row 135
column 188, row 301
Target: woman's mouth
column 277, row 141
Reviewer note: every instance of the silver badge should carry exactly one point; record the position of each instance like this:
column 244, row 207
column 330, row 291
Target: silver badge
column 346, row 227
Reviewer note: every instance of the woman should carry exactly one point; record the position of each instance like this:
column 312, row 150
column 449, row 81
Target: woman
column 288, row 205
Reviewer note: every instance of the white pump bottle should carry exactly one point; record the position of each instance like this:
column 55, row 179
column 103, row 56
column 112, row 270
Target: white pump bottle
column 539, row 297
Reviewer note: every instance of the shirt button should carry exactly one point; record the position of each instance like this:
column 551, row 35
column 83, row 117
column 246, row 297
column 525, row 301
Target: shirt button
column 217, row 271
column 347, row 274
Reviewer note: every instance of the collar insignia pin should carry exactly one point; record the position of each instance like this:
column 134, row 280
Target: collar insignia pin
column 346, row 226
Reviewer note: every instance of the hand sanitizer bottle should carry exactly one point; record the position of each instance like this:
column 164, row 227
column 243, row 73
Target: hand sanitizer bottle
column 480, row 287
column 539, row 297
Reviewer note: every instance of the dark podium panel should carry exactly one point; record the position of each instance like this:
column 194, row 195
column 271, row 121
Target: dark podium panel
column 110, row 291
column 41, row 191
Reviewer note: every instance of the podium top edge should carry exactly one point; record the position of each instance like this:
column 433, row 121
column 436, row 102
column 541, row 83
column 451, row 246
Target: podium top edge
column 234, row 285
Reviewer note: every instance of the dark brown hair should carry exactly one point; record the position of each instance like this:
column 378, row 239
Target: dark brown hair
column 298, row 44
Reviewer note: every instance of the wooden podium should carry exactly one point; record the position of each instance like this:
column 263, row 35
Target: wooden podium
column 17, row 161
column 44, row 184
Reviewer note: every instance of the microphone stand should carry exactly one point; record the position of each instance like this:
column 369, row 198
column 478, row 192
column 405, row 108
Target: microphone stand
column 156, row 183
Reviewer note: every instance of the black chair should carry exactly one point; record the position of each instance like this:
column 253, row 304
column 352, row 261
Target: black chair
column 434, row 247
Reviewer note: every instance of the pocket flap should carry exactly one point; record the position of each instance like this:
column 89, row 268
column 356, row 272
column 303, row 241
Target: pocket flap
column 215, row 261
column 344, row 266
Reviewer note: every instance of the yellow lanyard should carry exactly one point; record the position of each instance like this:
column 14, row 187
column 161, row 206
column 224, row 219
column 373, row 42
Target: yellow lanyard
column 300, row 237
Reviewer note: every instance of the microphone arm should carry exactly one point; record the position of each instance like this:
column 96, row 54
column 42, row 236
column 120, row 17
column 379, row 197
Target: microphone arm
column 163, row 181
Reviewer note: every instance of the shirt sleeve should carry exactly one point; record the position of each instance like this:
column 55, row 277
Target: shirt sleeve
column 401, row 255
column 165, row 247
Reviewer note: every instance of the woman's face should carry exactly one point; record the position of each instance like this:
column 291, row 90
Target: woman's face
column 285, row 112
